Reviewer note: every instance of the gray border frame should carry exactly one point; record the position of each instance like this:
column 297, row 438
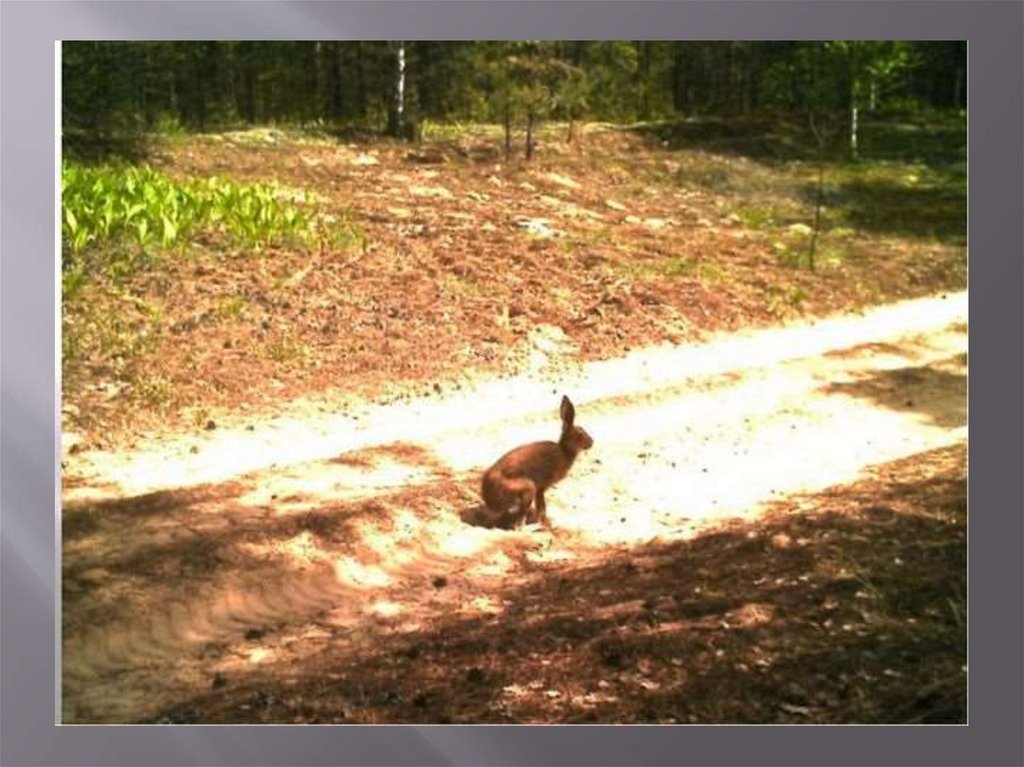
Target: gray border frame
column 30, row 427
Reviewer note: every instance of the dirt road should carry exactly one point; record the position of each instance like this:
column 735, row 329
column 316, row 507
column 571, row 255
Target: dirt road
column 196, row 562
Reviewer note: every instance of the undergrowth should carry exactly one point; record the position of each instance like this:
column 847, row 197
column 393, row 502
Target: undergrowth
column 120, row 218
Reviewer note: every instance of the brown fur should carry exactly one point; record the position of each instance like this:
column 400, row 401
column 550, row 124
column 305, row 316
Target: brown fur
column 519, row 478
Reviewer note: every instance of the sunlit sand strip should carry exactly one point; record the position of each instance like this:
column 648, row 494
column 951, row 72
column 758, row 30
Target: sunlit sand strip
column 679, row 501
column 286, row 442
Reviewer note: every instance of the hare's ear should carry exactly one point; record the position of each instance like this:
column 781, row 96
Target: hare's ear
column 568, row 411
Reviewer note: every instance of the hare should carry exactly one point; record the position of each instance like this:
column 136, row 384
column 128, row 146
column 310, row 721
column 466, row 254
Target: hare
column 520, row 477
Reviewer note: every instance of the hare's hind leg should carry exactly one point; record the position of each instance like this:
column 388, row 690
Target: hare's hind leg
column 541, row 507
column 524, row 491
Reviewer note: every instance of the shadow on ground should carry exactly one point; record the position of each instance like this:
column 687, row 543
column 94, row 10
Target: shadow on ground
column 262, row 545
column 938, row 143
column 898, row 208
column 936, row 392
column 846, row 606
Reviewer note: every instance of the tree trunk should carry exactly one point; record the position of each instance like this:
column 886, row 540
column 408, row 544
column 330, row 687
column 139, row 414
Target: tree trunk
column 199, row 86
column 427, row 90
column 508, row 128
column 643, row 79
column 853, row 131
column 334, row 97
column 818, row 199
column 245, row 101
column 679, row 79
column 530, row 121
column 147, row 109
column 820, row 140
column 310, row 106
column 854, row 101
column 958, row 88
column 361, row 95
column 396, row 115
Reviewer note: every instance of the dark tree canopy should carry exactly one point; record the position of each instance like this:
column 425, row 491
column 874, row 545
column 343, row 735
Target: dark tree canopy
column 124, row 88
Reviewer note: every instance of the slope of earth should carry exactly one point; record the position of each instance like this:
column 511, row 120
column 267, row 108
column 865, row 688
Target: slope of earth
column 467, row 267
column 770, row 527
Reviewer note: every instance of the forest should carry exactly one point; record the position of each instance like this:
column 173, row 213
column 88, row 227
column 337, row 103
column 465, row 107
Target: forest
column 125, row 89
column 312, row 292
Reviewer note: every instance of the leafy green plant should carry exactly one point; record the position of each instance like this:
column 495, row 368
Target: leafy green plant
column 780, row 301
column 832, row 258
column 756, row 217
column 116, row 335
column 678, row 267
column 796, row 295
column 73, row 279
column 132, row 211
column 154, row 390
column 231, row 307
column 284, row 348
column 200, row 416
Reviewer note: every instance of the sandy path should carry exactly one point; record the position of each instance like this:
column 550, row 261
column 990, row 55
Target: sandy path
column 323, row 529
